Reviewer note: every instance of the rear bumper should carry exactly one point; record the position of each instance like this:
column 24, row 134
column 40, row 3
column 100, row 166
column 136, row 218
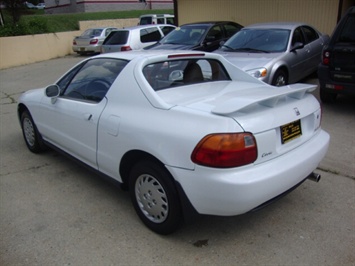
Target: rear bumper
column 327, row 84
column 228, row 192
column 86, row 49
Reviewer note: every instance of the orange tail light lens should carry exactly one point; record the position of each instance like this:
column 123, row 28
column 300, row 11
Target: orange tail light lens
column 225, row 150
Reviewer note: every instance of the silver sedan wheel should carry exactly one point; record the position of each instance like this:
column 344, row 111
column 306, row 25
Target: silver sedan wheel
column 151, row 198
column 29, row 132
column 280, row 81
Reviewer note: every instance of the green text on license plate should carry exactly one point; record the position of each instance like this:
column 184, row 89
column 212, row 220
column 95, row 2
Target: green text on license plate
column 291, row 131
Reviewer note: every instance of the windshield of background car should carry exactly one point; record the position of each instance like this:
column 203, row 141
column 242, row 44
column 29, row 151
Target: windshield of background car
column 92, row 33
column 169, row 74
column 91, row 80
column 117, row 38
column 347, row 34
column 145, row 20
column 189, row 35
column 258, row 40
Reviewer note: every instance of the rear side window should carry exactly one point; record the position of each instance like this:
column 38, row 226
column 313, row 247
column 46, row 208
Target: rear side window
column 117, row 38
column 169, row 74
column 347, row 33
column 150, row 35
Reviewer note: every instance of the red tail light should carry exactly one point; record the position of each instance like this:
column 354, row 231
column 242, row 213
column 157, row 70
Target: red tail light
column 225, row 150
column 74, row 42
column 94, row 41
column 325, row 57
column 126, row 48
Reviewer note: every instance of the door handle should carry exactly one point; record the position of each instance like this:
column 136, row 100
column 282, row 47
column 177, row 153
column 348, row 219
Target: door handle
column 88, row 116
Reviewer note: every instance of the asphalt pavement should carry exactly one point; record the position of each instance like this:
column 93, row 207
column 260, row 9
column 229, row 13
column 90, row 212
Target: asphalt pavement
column 55, row 212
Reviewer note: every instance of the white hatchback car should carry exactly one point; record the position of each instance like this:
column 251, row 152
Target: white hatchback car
column 185, row 132
column 135, row 38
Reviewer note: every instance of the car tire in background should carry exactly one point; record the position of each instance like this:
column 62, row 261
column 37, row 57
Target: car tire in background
column 327, row 97
column 155, row 197
column 280, row 78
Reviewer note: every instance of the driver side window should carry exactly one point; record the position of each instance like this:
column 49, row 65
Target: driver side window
column 92, row 81
column 298, row 36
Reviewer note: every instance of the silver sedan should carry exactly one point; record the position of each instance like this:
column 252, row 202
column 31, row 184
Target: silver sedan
column 277, row 53
column 90, row 41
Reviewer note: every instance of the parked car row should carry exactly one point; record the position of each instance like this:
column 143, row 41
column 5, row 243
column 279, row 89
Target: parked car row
column 277, row 53
column 110, row 39
column 203, row 36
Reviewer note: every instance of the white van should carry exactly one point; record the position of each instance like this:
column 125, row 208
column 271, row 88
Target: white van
column 156, row 19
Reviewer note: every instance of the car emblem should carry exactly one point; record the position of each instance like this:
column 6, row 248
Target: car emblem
column 297, row 111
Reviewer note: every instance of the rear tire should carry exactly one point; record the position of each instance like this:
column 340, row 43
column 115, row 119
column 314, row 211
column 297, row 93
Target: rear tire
column 280, row 78
column 30, row 133
column 155, row 197
column 327, row 97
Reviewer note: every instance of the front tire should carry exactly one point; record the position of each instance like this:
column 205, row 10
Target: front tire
column 280, row 78
column 30, row 133
column 154, row 197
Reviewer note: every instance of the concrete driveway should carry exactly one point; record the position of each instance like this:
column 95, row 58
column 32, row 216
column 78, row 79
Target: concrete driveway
column 54, row 212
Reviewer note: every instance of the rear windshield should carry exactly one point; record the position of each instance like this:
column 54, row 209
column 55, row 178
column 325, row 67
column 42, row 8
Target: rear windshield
column 117, row 38
column 92, row 33
column 347, row 33
column 169, row 74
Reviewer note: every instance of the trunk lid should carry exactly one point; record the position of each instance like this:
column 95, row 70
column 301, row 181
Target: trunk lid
column 281, row 118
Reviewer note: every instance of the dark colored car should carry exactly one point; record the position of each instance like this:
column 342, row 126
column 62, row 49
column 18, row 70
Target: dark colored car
column 336, row 72
column 203, row 36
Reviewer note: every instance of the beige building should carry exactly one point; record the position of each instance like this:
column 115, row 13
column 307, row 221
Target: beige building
column 323, row 14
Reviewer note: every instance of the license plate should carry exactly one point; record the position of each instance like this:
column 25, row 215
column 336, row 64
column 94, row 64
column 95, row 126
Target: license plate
column 82, row 49
column 291, row 131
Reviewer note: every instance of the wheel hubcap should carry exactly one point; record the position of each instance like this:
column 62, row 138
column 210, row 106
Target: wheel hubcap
column 280, row 81
column 152, row 199
column 29, row 131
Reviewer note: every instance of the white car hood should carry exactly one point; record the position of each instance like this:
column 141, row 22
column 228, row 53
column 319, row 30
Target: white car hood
column 247, row 61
